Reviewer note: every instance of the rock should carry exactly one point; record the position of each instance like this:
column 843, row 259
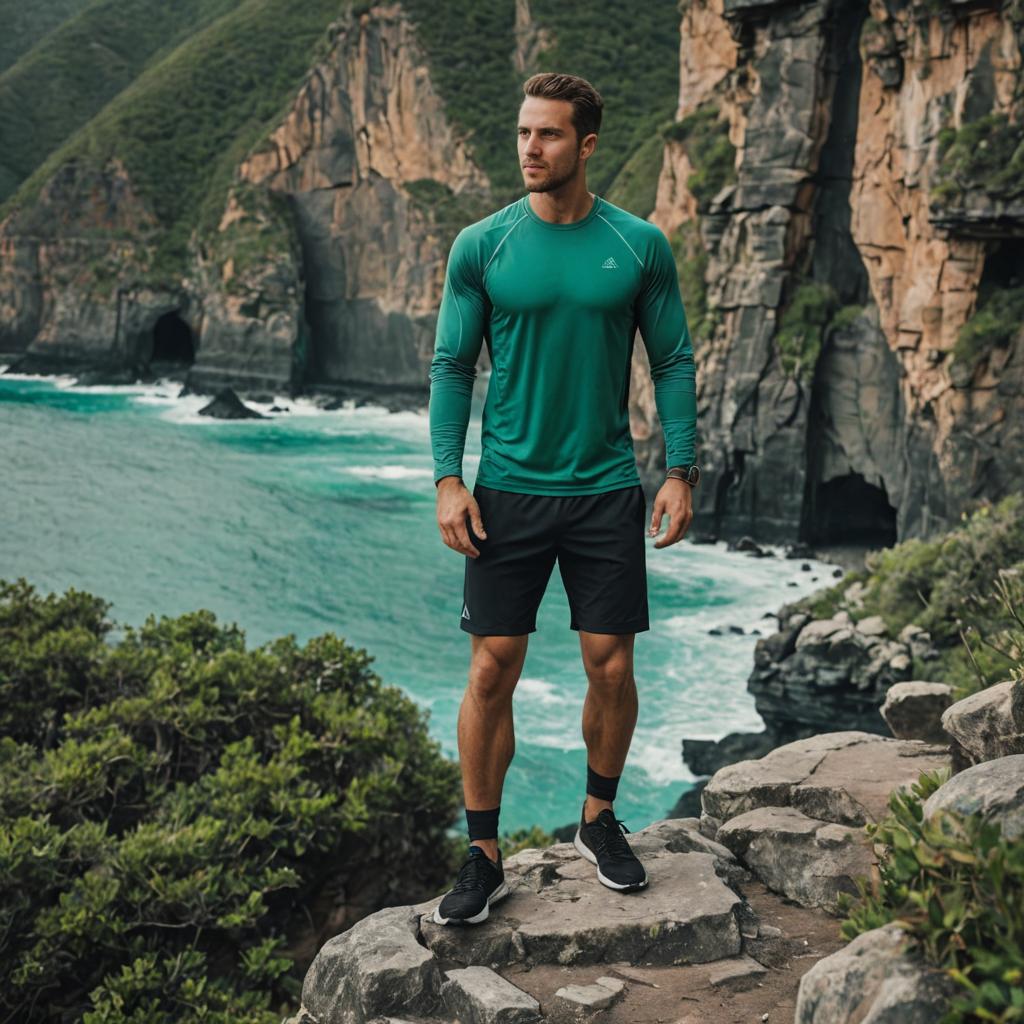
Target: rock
column 989, row 723
column 809, row 860
column 873, row 625
column 375, row 968
column 705, row 757
column 228, row 406
column 478, row 995
column 750, row 546
column 735, row 969
column 557, row 911
column 879, row 978
column 593, row 997
column 913, row 710
column 994, row 789
column 842, row 777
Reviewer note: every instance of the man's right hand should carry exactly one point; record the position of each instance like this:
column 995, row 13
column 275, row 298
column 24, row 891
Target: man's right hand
column 454, row 503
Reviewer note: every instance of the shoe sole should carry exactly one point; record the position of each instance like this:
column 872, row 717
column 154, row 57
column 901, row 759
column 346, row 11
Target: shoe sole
column 586, row 852
column 502, row 890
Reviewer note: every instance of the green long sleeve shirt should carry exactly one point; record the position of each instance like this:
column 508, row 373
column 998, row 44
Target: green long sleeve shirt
column 558, row 306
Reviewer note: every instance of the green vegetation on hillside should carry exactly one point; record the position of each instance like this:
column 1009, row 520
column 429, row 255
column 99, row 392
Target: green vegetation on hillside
column 949, row 585
column 183, row 126
column 630, row 57
column 635, row 187
column 177, row 811
column 79, row 67
column 998, row 315
column 802, row 328
column 24, row 24
column 956, row 885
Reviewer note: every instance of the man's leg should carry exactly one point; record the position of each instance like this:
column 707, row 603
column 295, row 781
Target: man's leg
column 485, row 728
column 609, row 711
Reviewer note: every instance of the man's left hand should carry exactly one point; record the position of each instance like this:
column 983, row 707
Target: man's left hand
column 675, row 499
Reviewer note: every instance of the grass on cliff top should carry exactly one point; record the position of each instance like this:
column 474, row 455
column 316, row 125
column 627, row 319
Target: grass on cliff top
column 185, row 123
column 986, row 154
column 949, row 585
column 72, row 73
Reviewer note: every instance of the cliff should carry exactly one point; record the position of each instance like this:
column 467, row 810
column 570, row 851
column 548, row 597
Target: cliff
column 848, row 389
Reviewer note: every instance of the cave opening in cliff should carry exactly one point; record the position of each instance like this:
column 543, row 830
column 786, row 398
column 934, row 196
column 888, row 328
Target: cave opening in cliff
column 849, row 510
column 173, row 341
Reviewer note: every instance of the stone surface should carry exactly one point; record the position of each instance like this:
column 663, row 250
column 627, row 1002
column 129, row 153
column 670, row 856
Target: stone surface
column 477, row 995
column 994, row 789
column 913, row 710
column 735, row 970
column 841, row 777
column 808, row 860
column 989, row 723
column 873, row 980
column 558, row 913
column 598, row 996
column 375, row 968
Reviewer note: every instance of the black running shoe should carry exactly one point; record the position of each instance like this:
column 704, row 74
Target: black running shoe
column 480, row 883
column 601, row 841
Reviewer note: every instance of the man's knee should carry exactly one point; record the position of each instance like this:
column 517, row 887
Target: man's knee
column 608, row 662
column 496, row 664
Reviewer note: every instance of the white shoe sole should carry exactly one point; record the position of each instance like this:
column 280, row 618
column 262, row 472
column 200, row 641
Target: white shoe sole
column 585, row 851
column 502, row 890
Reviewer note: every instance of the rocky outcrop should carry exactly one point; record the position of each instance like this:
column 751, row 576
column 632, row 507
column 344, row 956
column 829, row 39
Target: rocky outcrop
column 881, row 976
column 994, row 789
column 913, row 711
column 832, row 403
column 989, row 723
column 370, row 169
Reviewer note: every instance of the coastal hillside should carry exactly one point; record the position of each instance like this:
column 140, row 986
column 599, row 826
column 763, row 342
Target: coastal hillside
column 268, row 204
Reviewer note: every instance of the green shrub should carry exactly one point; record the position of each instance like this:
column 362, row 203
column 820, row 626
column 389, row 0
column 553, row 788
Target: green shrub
column 998, row 316
column 948, row 585
column 692, row 264
column 635, row 187
column 957, row 886
column 534, row 838
column 986, row 154
column 172, row 806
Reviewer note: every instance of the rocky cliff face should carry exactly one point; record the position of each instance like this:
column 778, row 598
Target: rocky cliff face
column 835, row 401
column 370, row 172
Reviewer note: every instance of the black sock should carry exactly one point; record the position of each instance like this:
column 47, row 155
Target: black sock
column 604, row 787
column 483, row 824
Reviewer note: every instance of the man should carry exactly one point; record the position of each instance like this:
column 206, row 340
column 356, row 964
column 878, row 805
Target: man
column 556, row 283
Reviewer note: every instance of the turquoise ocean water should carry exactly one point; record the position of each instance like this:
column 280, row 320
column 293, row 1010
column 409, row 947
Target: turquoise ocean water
column 315, row 521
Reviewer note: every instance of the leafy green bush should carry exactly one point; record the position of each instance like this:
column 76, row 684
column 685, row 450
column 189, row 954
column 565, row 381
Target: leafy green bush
column 948, row 585
column 998, row 316
column 534, row 838
column 176, row 811
column 956, row 885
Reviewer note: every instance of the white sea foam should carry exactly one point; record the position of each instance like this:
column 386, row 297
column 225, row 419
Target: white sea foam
column 388, row 472
column 538, row 691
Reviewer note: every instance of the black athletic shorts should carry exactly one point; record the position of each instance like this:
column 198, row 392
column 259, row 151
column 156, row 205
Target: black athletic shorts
column 598, row 540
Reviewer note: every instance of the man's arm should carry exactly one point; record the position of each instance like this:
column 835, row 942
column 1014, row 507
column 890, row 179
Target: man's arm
column 460, row 330
column 666, row 334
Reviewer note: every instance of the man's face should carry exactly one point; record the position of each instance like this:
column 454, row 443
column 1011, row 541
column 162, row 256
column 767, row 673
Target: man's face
column 549, row 154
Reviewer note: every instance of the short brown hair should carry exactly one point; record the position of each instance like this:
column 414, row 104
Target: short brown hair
column 585, row 99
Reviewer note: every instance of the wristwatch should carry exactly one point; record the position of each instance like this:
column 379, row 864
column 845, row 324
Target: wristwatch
column 690, row 473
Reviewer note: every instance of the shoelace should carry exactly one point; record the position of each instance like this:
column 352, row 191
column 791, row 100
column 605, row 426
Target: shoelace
column 472, row 874
column 612, row 841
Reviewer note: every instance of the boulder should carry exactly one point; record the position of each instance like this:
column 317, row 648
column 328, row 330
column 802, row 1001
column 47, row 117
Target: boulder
column 477, row 995
column 994, row 789
column 377, row 967
column 989, row 723
column 913, row 710
column 841, row 777
column 228, row 406
column 878, row 978
column 809, row 860
column 558, row 913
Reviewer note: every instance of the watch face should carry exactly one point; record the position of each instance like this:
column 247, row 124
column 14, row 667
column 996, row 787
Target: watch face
column 694, row 475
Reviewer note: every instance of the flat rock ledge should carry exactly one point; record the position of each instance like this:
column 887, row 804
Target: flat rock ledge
column 398, row 965
column 795, row 817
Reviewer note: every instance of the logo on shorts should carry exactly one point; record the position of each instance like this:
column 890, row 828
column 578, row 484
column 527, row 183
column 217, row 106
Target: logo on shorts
column 610, row 264
column 465, row 610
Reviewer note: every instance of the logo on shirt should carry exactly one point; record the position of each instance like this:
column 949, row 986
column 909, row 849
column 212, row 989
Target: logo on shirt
column 610, row 264
column 465, row 610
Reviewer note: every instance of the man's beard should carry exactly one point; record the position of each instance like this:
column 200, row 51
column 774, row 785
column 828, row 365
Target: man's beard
column 554, row 182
